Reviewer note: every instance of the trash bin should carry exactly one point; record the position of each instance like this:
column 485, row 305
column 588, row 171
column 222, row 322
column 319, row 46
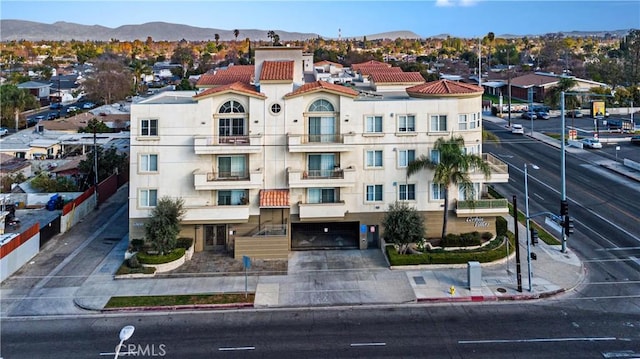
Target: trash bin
column 474, row 274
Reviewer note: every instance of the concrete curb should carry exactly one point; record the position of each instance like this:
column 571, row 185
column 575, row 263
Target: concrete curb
column 179, row 307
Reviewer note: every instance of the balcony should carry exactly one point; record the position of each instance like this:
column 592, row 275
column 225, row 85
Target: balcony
column 499, row 171
column 322, row 178
column 482, row 207
column 212, row 145
column 216, row 213
column 320, row 143
column 207, row 181
column 314, row 211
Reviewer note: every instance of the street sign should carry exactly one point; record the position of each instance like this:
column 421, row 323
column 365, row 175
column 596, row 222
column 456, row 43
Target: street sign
column 553, row 224
column 246, row 261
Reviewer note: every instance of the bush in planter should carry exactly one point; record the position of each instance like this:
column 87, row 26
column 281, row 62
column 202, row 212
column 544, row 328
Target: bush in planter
column 164, row 224
column 133, row 262
column 146, row 258
column 185, row 243
column 137, row 244
column 501, row 226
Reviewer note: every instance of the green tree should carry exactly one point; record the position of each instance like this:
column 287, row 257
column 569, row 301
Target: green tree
column 275, row 38
column 236, row 33
column 45, row 183
column 10, row 179
column 13, row 101
column 139, row 68
column 184, row 56
column 451, row 168
column 163, row 226
column 109, row 162
column 552, row 97
column 403, row 225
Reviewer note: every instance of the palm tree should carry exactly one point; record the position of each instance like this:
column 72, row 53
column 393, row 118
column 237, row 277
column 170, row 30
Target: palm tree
column 236, row 32
column 490, row 36
column 217, row 38
column 451, row 168
column 552, row 97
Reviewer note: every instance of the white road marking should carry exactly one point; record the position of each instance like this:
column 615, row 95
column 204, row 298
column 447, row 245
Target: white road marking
column 235, row 348
column 537, row 340
column 620, row 354
column 368, row 344
column 617, row 249
column 539, row 196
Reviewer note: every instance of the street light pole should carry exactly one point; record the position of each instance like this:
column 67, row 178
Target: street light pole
column 509, row 86
column 528, row 235
column 563, row 190
column 125, row 333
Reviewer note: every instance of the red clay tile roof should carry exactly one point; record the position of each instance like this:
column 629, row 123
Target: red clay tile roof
column 323, row 86
column 369, row 63
column 237, row 73
column 240, row 87
column 277, row 71
column 274, row 198
column 396, row 77
column 529, row 80
column 368, row 70
column 444, row 88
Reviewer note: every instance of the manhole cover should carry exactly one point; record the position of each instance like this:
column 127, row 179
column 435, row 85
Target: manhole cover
column 501, row 290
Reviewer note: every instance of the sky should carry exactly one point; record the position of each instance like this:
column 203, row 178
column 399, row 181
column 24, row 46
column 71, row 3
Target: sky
column 459, row 18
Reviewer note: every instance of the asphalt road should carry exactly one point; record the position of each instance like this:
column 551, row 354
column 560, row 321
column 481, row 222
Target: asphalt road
column 416, row 331
column 606, row 208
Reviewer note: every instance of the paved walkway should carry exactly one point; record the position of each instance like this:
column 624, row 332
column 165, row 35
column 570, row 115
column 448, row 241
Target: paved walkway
column 313, row 278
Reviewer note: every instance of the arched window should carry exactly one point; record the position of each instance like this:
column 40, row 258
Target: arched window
column 321, row 106
column 322, row 126
column 231, row 107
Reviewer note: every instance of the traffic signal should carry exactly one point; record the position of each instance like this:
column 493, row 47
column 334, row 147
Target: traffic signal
column 564, row 207
column 568, row 225
column 534, row 236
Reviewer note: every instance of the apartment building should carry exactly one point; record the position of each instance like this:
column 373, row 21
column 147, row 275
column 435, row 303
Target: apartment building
column 268, row 159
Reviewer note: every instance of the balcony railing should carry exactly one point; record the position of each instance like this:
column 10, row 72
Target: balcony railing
column 320, row 143
column 228, row 176
column 204, row 145
column 227, row 180
column 314, row 211
column 322, row 178
column 499, row 170
column 482, row 207
column 316, row 174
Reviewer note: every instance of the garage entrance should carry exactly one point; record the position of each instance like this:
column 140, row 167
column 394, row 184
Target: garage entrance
column 324, row 235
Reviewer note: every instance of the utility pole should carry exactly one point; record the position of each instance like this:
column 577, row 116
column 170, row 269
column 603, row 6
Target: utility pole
column 509, row 86
column 563, row 192
column 95, row 163
column 515, row 233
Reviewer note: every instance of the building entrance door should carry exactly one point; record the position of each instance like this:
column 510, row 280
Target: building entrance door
column 215, row 236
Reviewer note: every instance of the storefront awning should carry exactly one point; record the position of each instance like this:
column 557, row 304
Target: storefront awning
column 274, row 198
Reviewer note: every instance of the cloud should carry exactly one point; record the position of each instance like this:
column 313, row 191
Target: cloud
column 449, row 3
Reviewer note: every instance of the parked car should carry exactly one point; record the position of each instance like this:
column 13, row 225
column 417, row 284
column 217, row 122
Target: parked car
column 517, row 129
column 52, row 116
column 542, row 115
column 73, row 109
column 4, row 131
column 574, row 113
column 591, row 143
column 55, row 106
column 88, row 105
column 529, row 115
column 635, row 140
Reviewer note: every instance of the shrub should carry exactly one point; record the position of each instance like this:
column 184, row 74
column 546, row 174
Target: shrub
column 462, row 240
column 501, row 226
column 486, row 236
column 146, row 258
column 137, row 244
column 133, row 262
column 184, row 243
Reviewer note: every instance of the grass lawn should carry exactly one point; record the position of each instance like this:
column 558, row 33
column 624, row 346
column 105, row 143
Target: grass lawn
column 173, row 300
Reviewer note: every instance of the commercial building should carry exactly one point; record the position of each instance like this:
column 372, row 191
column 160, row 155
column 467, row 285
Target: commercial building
column 269, row 159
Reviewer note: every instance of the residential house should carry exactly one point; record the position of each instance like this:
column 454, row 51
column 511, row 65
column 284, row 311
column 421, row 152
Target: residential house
column 269, row 159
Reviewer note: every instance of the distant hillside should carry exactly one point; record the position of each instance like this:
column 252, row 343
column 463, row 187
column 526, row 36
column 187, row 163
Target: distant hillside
column 159, row 31
column 163, row 31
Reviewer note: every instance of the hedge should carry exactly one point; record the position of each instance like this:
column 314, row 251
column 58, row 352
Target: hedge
column 146, row 258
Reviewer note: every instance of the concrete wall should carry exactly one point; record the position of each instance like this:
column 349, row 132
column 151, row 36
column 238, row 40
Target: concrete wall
column 18, row 249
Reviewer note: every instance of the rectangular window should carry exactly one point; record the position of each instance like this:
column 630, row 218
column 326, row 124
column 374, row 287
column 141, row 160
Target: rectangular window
column 231, row 127
column 322, row 129
column 148, row 198
column 374, row 158
column 232, row 198
column 373, row 124
column 149, row 163
column 232, row 166
column 406, row 123
column 437, row 191
column 435, row 156
column 321, row 195
column 148, row 127
column 405, row 157
column 462, row 122
column 407, row 192
column 475, row 121
column 374, row 193
column 438, row 123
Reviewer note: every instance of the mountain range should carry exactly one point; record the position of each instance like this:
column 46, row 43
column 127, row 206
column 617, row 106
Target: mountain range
column 163, row 31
